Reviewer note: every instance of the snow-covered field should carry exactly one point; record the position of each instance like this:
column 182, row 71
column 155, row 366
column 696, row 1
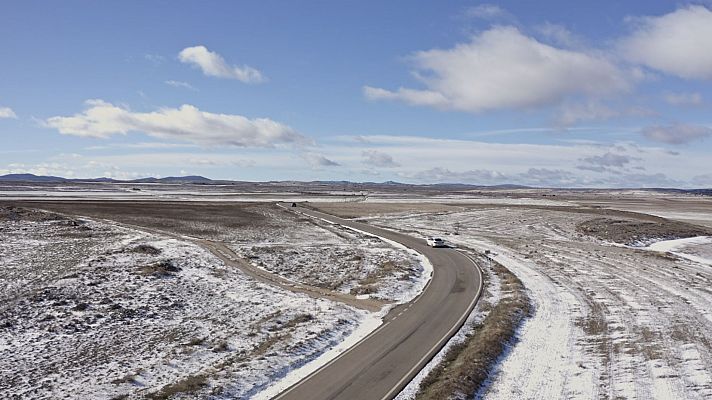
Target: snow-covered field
column 609, row 321
column 322, row 254
column 92, row 310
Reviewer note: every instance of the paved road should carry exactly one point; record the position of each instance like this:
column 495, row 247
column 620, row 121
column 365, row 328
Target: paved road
column 384, row 362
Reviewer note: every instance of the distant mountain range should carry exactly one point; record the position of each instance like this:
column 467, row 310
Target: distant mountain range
column 201, row 180
column 344, row 185
column 58, row 179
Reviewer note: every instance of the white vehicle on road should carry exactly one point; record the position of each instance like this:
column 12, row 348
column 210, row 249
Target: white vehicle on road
column 435, row 242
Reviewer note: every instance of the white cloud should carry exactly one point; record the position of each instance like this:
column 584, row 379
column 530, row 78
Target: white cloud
column 212, row 64
column 558, row 34
column 702, row 180
column 543, row 177
column 379, row 159
column 180, row 84
column 487, row 11
column 678, row 43
column 502, row 68
column 186, row 123
column 411, row 96
column 497, row 163
column 7, row 112
column 154, row 58
column 444, row 175
column 571, row 113
column 607, row 162
column 684, row 99
column 677, row 133
column 173, row 160
column 318, row 160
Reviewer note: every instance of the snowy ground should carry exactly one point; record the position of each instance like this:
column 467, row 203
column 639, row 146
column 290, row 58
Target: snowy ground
column 609, row 321
column 697, row 249
column 95, row 311
column 322, row 254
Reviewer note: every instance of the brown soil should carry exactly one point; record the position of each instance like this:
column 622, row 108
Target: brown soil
column 636, row 231
column 189, row 218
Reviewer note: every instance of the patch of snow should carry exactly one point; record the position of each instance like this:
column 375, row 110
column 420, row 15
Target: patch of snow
column 368, row 325
column 608, row 321
column 688, row 248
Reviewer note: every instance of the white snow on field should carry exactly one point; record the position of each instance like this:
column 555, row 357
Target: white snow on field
column 608, row 322
column 219, row 193
column 317, row 252
column 113, row 311
column 416, row 282
column 399, row 293
column 468, row 199
column 111, row 320
column 366, row 327
column 697, row 249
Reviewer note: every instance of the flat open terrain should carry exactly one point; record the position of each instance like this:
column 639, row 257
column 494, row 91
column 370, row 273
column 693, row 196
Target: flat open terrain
column 95, row 309
column 619, row 301
column 609, row 321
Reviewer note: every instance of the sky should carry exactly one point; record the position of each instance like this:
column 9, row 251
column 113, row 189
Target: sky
column 550, row 93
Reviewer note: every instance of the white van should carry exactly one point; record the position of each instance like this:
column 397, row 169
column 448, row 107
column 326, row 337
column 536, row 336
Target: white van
column 435, row 242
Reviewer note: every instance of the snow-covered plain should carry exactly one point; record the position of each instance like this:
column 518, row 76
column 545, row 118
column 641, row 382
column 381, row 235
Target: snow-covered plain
column 609, row 321
column 92, row 310
column 319, row 253
column 697, row 249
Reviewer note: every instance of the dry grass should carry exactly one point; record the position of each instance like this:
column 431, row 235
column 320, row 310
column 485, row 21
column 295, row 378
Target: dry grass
column 160, row 269
column 630, row 231
column 205, row 220
column 189, row 385
column 146, row 249
column 370, row 283
column 466, row 365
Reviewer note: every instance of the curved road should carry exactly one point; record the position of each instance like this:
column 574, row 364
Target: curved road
column 382, row 364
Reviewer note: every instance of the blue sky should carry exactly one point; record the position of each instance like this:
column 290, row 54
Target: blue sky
column 549, row 93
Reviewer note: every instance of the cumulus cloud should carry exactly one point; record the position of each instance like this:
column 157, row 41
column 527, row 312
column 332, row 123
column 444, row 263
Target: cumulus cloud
column 684, row 99
column 7, row 112
column 532, row 177
column 677, row 133
column 608, row 162
column 445, row 175
column 212, row 64
column 187, row 123
column 319, row 160
column 558, row 34
column 379, row 159
column 544, row 177
column 502, row 68
column 180, row 84
column 677, row 43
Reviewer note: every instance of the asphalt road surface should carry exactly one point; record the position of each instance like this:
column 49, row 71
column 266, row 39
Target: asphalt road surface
column 383, row 363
